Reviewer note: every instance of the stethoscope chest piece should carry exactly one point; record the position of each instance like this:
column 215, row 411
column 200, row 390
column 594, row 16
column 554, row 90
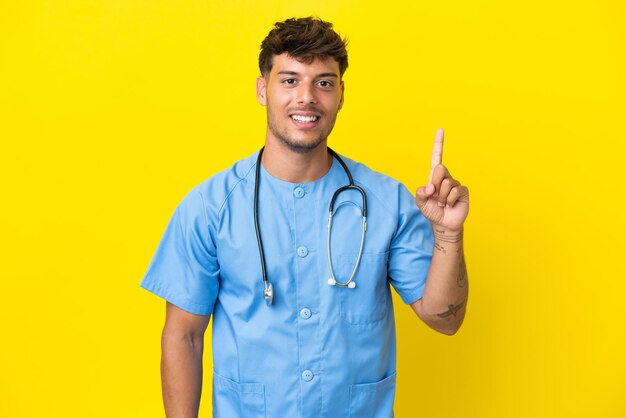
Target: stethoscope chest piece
column 268, row 293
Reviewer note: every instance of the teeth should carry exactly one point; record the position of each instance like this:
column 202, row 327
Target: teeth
column 300, row 118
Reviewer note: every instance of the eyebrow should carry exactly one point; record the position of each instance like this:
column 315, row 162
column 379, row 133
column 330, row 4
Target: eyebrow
column 286, row 72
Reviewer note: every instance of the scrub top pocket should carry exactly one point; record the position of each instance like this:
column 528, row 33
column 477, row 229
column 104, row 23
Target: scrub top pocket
column 232, row 399
column 370, row 300
column 373, row 400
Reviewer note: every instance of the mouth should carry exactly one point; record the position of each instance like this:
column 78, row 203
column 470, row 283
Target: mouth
column 304, row 118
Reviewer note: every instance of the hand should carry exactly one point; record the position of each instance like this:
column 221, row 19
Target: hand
column 443, row 201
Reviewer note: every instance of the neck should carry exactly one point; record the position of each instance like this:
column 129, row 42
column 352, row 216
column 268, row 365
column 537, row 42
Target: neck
column 294, row 167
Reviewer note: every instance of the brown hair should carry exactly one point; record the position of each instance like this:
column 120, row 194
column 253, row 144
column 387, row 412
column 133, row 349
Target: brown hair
column 305, row 39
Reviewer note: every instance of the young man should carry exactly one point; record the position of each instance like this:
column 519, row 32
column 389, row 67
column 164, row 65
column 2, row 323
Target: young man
column 303, row 320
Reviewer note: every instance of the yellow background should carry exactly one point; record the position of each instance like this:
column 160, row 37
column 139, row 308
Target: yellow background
column 110, row 111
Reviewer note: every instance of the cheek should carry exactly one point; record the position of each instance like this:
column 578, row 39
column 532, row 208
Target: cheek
column 279, row 97
column 334, row 105
column 336, row 101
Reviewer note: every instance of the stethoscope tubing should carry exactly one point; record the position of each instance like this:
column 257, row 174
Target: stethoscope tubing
column 268, row 291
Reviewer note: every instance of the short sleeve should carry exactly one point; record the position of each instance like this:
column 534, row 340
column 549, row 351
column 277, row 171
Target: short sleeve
column 184, row 270
column 411, row 249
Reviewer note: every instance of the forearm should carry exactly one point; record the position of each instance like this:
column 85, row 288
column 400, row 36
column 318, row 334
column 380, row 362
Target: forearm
column 444, row 301
column 181, row 374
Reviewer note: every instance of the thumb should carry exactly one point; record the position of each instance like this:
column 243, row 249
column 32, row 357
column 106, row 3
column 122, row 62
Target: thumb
column 422, row 195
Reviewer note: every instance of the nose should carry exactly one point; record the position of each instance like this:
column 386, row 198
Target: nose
column 306, row 95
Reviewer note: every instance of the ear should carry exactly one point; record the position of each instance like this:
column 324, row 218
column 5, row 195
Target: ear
column 261, row 89
column 341, row 100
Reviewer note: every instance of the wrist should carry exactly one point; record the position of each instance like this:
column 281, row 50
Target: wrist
column 447, row 234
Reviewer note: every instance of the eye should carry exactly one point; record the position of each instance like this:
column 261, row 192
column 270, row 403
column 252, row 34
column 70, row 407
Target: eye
column 289, row 81
column 324, row 83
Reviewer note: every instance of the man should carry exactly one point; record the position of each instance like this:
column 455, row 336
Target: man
column 302, row 313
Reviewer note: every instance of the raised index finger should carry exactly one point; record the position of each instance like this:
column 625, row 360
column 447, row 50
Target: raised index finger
column 437, row 153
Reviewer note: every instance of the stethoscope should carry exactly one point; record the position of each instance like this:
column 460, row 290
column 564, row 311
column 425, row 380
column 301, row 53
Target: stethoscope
column 268, row 292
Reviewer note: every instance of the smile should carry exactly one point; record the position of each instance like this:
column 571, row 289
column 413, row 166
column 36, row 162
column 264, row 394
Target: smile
column 304, row 119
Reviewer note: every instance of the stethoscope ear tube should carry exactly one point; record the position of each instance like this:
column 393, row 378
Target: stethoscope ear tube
column 332, row 281
column 331, row 209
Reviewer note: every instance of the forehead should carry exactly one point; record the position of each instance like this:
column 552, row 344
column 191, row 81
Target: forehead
column 287, row 63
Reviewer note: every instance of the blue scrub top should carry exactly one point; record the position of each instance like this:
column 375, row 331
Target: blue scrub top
column 319, row 350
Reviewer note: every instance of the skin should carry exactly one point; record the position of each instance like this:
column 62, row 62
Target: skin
column 444, row 201
column 182, row 345
column 296, row 152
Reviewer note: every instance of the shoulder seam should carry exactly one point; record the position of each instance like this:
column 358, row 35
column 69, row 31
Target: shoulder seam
column 233, row 189
column 383, row 203
column 204, row 208
column 370, row 190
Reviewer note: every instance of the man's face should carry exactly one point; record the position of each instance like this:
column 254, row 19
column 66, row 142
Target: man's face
column 302, row 101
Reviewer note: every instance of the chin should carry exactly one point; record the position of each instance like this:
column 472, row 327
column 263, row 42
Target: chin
column 301, row 146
